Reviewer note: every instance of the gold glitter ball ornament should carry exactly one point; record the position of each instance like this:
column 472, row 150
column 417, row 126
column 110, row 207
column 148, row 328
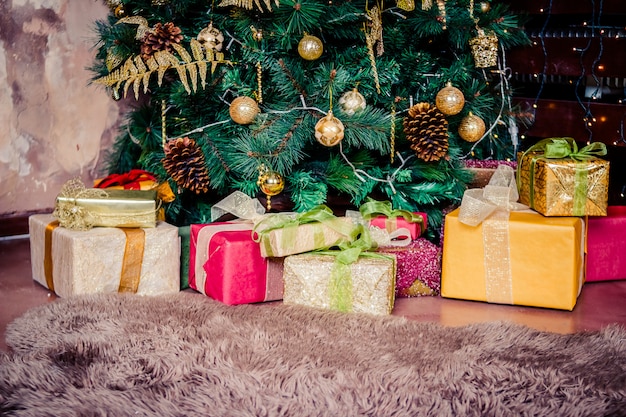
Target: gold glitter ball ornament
column 310, row 47
column 484, row 49
column 472, row 128
column 450, row 100
column 485, row 6
column 211, row 38
column 243, row 110
column 351, row 102
column 329, row 130
column 119, row 11
column 271, row 183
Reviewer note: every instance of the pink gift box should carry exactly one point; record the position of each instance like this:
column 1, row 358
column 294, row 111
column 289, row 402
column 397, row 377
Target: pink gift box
column 606, row 246
column 226, row 264
column 418, row 270
column 391, row 224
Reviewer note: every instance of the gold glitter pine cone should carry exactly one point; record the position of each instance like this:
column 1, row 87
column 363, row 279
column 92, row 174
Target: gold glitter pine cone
column 185, row 163
column 426, row 128
column 160, row 38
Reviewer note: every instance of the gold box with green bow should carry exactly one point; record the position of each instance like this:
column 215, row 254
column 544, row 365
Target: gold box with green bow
column 555, row 178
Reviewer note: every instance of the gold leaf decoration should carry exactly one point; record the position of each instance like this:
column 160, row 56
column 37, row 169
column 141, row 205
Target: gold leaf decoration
column 249, row 4
column 137, row 73
column 142, row 23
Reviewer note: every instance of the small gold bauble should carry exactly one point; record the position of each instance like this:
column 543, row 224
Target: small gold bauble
column 485, row 6
column 243, row 110
column 329, row 130
column 450, row 100
column 351, row 102
column 211, row 38
column 271, row 183
column 472, row 128
column 310, row 47
column 119, row 11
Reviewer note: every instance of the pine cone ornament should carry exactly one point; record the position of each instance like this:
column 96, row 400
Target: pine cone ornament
column 160, row 38
column 426, row 128
column 184, row 162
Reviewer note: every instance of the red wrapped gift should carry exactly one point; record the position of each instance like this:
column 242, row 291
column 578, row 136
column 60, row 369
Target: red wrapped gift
column 226, row 264
column 135, row 179
column 391, row 224
column 606, row 246
column 380, row 214
column 418, row 270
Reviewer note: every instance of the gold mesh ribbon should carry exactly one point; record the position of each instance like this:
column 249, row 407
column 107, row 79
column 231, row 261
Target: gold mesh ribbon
column 238, row 204
column 71, row 215
column 133, row 257
column 47, row 259
column 490, row 207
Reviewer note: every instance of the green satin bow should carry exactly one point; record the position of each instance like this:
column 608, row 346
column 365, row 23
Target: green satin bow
column 340, row 285
column 373, row 208
column 567, row 148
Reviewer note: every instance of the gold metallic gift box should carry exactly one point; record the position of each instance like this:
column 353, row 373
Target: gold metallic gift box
column 545, row 254
column 145, row 261
column 373, row 281
column 552, row 186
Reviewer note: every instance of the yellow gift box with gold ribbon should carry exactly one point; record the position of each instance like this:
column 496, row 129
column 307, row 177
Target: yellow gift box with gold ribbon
column 145, row 261
column 555, row 178
column 498, row 251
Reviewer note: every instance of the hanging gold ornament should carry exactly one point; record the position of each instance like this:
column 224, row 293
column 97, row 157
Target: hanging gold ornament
column 352, row 101
column 407, row 5
column 270, row 182
column 119, row 11
column 450, row 100
column 485, row 6
column 211, row 38
column 427, row 4
column 472, row 128
column 484, row 49
column 243, row 110
column 329, row 130
column 310, row 47
column 441, row 5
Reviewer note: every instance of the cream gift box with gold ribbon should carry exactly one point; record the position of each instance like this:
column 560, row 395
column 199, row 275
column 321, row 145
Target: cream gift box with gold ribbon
column 145, row 261
column 512, row 255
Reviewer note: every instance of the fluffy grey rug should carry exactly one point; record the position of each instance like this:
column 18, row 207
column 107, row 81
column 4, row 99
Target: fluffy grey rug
column 186, row 355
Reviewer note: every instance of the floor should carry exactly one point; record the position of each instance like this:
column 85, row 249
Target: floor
column 599, row 304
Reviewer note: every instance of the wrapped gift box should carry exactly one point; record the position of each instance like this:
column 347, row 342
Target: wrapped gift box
column 226, row 264
column 81, row 208
column 104, row 259
column 564, row 186
column 184, row 233
column 418, row 268
column 368, row 287
column 392, row 224
column 606, row 246
column 294, row 239
column 545, row 257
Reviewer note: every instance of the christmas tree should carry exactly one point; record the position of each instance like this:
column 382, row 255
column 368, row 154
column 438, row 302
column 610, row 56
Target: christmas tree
column 310, row 102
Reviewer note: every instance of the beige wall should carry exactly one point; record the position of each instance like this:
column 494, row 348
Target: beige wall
column 53, row 125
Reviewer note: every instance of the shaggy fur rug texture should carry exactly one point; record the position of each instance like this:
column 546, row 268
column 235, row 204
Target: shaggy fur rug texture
column 187, row 355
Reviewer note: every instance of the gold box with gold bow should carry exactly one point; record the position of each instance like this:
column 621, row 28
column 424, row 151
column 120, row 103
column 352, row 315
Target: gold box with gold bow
column 80, row 208
column 145, row 261
column 555, row 178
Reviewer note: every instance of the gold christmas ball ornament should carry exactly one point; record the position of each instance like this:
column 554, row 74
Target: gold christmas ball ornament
column 352, row 101
column 211, row 38
column 310, row 47
column 472, row 128
column 450, row 100
column 329, row 130
column 271, row 183
column 119, row 11
column 485, row 6
column 243, row 110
